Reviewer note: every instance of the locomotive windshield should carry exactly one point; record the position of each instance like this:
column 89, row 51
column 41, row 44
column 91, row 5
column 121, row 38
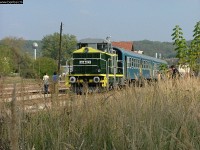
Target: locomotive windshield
column 99, row 44
column 102, row 46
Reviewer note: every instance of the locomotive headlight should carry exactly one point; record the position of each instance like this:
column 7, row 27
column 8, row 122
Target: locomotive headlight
column 96, row 79
column 98, row 70
column 72, row 79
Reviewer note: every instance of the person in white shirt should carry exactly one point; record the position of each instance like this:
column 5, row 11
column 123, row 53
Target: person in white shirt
column 46, row 83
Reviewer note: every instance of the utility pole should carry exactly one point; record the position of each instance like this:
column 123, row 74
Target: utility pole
column 59, row 52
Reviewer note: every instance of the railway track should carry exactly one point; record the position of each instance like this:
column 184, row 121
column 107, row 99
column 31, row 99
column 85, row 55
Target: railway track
column 31, row 97
column 6, row 90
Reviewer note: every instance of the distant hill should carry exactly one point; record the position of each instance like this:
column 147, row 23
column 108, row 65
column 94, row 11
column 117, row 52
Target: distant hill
column 166, row 49
column 149, row 47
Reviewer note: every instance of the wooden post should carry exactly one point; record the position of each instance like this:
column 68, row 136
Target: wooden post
column 60, row 46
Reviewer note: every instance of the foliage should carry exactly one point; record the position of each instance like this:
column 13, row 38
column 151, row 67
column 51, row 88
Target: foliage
column 44, row 65
column 188, row 54
column 5, row 61
column 163, row 68
column 17, row 55
column 180, row 45
column 26, row 66
column 194, row 53
column 50, row 46
column 13, row 59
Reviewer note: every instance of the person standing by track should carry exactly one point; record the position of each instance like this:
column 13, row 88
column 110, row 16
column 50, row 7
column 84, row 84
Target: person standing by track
column 175, row 72
column 55, row 80
column 175, row 75
column 46, row 83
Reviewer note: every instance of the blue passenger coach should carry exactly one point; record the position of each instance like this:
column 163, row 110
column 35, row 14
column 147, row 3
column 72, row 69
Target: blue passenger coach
column 134, row 65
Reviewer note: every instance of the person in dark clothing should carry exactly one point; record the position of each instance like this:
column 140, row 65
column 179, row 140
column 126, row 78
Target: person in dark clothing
column 55, row 79
column 175, row 72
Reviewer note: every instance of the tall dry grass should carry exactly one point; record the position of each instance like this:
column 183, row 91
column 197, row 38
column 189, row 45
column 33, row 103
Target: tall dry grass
column 162, row 115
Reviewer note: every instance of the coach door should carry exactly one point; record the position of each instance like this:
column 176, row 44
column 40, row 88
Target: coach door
column 140, row 68
column 151, row 68
column 154, row 70
column 125, row 67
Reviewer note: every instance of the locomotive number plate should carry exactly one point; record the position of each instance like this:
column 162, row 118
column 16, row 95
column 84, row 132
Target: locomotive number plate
column 85, row 62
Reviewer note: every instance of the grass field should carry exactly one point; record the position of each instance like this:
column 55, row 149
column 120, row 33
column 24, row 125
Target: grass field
column 162, row 116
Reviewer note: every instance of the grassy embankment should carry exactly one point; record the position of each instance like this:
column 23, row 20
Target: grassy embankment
column 159, row 117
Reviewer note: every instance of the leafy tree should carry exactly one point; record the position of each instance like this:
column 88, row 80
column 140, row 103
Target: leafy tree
column 188, row 54
column 5, row 61
column 50, row 46
column 44, row 65
column 180, row 45
column 163, row 68
column 12, row 47
column 26, row 66
column 11, row 51
column 194, row 53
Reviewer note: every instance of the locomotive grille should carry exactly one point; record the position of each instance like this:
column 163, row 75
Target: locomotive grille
column 86, row 63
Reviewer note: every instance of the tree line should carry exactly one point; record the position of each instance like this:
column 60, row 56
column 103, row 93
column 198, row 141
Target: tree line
column 15, row 56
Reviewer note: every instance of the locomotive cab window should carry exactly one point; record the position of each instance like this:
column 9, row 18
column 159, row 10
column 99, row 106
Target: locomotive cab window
column 102, row 47
column 80, row 45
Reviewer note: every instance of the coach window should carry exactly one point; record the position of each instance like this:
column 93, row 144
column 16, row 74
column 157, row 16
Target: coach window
column 147, row 64
column 136, row 63
column 155, row 66
column 143, row 64
column 128, row 62
column 132, row 62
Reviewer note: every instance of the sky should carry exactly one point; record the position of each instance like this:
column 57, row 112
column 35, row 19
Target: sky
column 123, row 20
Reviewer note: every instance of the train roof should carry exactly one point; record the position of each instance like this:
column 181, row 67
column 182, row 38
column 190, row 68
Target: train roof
column 92, row 41
column 98, row 40
column 92, row 50
column 140, row 55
